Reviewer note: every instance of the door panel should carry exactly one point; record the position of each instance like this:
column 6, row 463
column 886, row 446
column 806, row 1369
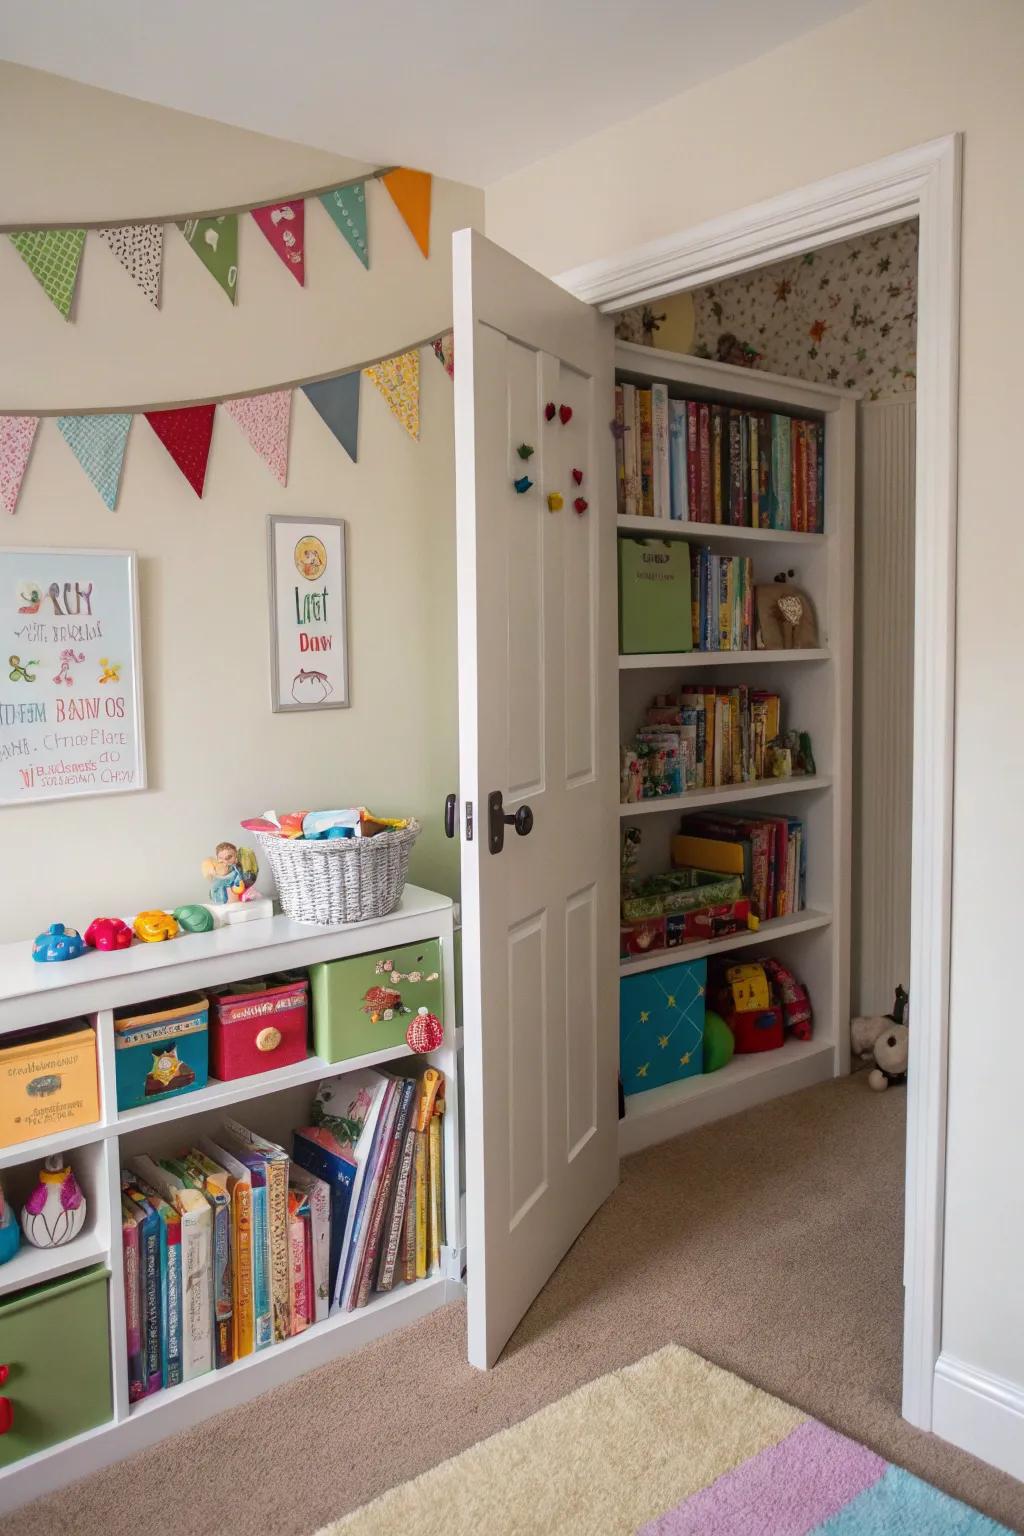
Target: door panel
column 537, row 721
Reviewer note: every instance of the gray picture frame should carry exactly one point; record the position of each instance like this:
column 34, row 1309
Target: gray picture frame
column 333, row 531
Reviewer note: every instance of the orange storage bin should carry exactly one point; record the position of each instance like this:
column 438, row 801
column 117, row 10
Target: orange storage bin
column 48, row 1082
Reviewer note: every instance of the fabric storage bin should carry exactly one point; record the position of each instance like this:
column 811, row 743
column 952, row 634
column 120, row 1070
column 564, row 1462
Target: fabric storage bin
column 162, row 1051
column 54, row 1343
column 661, row 1025
column 48, row 1082
column 256, row 1026
column 367, row 1003
column 654, row 596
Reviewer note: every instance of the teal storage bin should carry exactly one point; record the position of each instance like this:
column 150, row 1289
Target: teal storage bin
column 54, row 1340
column 162, row 1051
column 661, row 1025
column 655, row 613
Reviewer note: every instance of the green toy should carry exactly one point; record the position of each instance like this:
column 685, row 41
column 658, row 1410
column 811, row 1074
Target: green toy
column 193, row 918
column 719, row 1042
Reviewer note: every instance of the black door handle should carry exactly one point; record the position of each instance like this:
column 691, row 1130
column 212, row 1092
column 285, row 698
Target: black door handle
column 450, row 802
column 498, row 820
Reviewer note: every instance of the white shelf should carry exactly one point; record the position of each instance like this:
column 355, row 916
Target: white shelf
column 30, row 1266
column 744, row 1081
column 61, row 1141
column 645, row 661
column 703, row 533
column 727, row 794
column 768, row 933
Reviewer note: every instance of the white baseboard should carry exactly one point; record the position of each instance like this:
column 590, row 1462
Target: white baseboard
column 980, row 1413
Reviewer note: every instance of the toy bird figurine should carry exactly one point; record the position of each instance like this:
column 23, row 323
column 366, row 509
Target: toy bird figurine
column 232, row 874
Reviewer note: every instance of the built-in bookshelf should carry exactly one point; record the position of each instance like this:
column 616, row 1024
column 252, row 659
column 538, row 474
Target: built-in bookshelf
column 816, row 688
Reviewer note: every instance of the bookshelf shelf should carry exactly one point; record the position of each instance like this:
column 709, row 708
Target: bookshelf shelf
column 704, row 533
column 31, row 1266
column 768, row 933
column 727, row 794
column 693, row 659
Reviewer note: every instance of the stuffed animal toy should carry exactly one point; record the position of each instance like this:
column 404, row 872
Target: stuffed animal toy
column 866, row 1030
column 891, row 1052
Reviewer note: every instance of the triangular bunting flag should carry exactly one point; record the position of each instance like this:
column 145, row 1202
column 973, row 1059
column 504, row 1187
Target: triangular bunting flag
column 16, row 435
column 98, row 443
column 186, row 434
column 444, row 351
column 140, row 250
column 215, row 242
column 411, row 193
column 52, row 256
column 284, row 225
column 264, row 420
column 398, row 379
column 347, row 207
column 336, row 401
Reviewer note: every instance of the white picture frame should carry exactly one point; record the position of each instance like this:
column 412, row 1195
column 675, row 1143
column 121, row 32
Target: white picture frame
column 71, row 701
column 307, row 578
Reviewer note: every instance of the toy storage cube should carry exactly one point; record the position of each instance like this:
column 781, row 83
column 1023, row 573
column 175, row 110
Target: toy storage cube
column 162, row 1052
column 654, row 596
column 54, row 1340
column 256, row 1026
column 48, row 1082
column 366, row 1003
column 661, row 1025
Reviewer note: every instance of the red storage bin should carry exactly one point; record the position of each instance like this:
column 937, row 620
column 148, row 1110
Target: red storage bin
column 256, row 1026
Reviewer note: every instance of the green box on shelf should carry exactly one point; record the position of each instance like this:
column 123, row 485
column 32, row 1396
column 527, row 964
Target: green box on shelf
column 55, row 1339
column 661, row 1025
column 366, row 1003
column 654, row 596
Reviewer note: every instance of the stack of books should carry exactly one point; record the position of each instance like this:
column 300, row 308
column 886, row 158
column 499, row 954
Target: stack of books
column 722, row 601
column 702, row 462
column 233, row 1245
column 769, row 853
column 700, row 738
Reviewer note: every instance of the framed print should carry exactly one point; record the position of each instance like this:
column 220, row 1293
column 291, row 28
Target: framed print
column 308, row 615
column 71, row 719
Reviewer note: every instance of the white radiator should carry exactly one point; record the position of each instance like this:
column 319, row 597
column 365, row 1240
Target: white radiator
column 883, row 704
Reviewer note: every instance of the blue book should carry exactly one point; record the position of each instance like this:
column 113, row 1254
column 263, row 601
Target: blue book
column 338, row 1170
column 678, row 489
column 170, row 1279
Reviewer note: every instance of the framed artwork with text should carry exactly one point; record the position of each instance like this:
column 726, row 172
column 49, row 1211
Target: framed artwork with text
column 308, row 613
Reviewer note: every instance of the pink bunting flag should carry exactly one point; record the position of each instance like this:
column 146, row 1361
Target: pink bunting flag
column 284, row 225
column 264, row 420
column 17, row 434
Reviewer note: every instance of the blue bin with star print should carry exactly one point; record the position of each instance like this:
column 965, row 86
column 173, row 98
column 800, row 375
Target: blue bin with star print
column 661, row 1025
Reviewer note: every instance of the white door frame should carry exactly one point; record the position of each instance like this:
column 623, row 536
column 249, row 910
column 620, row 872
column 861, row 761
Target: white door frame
column 924, row 183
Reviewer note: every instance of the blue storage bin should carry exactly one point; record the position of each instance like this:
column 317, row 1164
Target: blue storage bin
column 661, row 1025
column 161, row 1052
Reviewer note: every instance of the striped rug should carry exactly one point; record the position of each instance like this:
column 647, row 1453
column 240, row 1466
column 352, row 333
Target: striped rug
column 671, row 1446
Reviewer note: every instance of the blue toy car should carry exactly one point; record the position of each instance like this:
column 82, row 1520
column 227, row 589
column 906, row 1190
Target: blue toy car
column 58, row 943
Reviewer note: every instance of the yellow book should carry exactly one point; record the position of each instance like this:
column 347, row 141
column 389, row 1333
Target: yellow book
column 436, row 1193
column 709, row 739
column 707, row 853
column 239, row 1184
column 420, row 1183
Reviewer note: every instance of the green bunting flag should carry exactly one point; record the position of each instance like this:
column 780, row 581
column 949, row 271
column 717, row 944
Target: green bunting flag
column 347, row 207
column 215, row 242
column 52, row 256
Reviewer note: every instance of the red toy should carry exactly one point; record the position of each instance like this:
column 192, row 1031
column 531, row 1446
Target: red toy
column 108, row 933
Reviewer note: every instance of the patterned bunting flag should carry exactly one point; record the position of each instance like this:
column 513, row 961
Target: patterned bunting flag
column 215, row 242
column 284, row 225
column 347, row 207
column 98, row 443
column 186, row 434
column 398, row 379
column 337, row 403
column 264, row 420
column 52, row 256
column 411, row 193
column 140, row 250
column 444, row 351
column 16, row 437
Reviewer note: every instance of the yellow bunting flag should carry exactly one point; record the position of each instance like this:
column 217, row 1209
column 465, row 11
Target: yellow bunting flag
column 398, row 379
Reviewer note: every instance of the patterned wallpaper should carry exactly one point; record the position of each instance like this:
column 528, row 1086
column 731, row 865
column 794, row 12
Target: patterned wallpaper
column 846, row 315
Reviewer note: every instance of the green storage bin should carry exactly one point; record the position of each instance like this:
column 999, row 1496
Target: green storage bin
column 654, row 596
column 367, row 1003
column 54, row 1341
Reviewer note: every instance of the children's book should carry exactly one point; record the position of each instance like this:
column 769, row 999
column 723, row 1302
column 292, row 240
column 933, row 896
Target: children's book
column 660, row 433
column 298, row 1259
column 171, row 1311
column 363, row 1206
column 382, row 1196
column 678, row 482
column 208, row 1175
column 196, row 1263
column 152, row 1289
column 133, row 1218
column 238, row 1178
column 436, row 1179
column 276, row 1160
column 318, row 1194
column 391, row 1249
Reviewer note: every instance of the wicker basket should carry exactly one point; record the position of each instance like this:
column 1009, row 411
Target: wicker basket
column 340, row 879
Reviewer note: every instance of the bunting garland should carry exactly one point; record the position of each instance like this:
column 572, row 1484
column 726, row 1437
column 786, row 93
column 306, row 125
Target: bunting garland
column 284, row 225
column 410, row 191
column 140, row 250
column 347, row 207
column 17, row 434
column 215, row 242
column 52, row 256
column 98, row 443
column 398, row 379
column 444, row 351
column 186, row 433
column 336, row 402
column 264, row 420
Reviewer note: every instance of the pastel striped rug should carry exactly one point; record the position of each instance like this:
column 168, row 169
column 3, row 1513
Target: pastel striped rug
column 671, row 1446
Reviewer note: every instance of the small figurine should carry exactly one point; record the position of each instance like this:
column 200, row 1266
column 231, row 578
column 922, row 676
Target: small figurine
column 58, row 943
column 232, row 874
column 54, row 1212
column 152, row 926
column 425, row 1032
column 108, row 933
column 10, row 1232
column 193, row 918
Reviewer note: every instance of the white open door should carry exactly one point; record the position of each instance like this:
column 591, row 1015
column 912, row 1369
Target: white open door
column 538, row 711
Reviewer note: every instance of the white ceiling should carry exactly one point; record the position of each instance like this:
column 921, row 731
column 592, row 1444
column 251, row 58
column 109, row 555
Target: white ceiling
column 469, row 89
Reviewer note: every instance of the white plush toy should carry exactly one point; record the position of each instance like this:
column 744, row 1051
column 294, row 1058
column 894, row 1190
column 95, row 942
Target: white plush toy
column 883, row 1039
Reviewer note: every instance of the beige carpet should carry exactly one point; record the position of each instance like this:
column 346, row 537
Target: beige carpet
column 769, row 1243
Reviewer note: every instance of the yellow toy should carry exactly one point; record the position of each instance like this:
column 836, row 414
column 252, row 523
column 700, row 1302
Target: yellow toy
column 556, row 501
column 153, row 926
column 749, row 987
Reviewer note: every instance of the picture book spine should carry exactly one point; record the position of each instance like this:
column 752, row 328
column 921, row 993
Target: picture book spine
column 197, row 1275
column 764, row 469
column 320, row 1235
column 719, row 465
column 396, row 1228
column 436, row 1200
column 223, row 1296
column 408, row 1247
column 662, row 465
column 383, row 1199
column 133, row 1304
column 820, row 524
column 705, row 494
column 734, row 424
column 781, row 472
column 709, row 737
column 245, row 1255
column 737, row 739
column 754, row 466
column 360, row 1225
column 692, row 463
column 150, row 1257
column 630, row 452
column 813, row 434
column 262, row 1301
column 172, row 1309
column 421, row 1179
column 722, row 638
column 297, row 1271
column 695, row 568
column 798, row 450
column 678, row 484
column 646, row 453
column 620, row 462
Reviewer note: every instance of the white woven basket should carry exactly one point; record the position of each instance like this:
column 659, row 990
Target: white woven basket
column 340, row 879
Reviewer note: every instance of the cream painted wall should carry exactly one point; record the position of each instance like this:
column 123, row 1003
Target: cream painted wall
column 216, row 752
column 888, row 76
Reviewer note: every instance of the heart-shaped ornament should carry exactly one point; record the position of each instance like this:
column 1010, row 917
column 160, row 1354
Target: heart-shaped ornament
column 580, row 506
column 565, row 414
column 577, row 475
column 549, row 411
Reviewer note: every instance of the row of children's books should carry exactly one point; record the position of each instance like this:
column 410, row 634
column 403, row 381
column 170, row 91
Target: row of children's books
column 700, row 462
column 235, row 1245
column 701, row 738
column 722, row 600
column 768, row 852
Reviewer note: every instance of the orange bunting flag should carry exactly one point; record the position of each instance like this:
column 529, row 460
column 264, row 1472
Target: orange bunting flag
column 410, row 192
